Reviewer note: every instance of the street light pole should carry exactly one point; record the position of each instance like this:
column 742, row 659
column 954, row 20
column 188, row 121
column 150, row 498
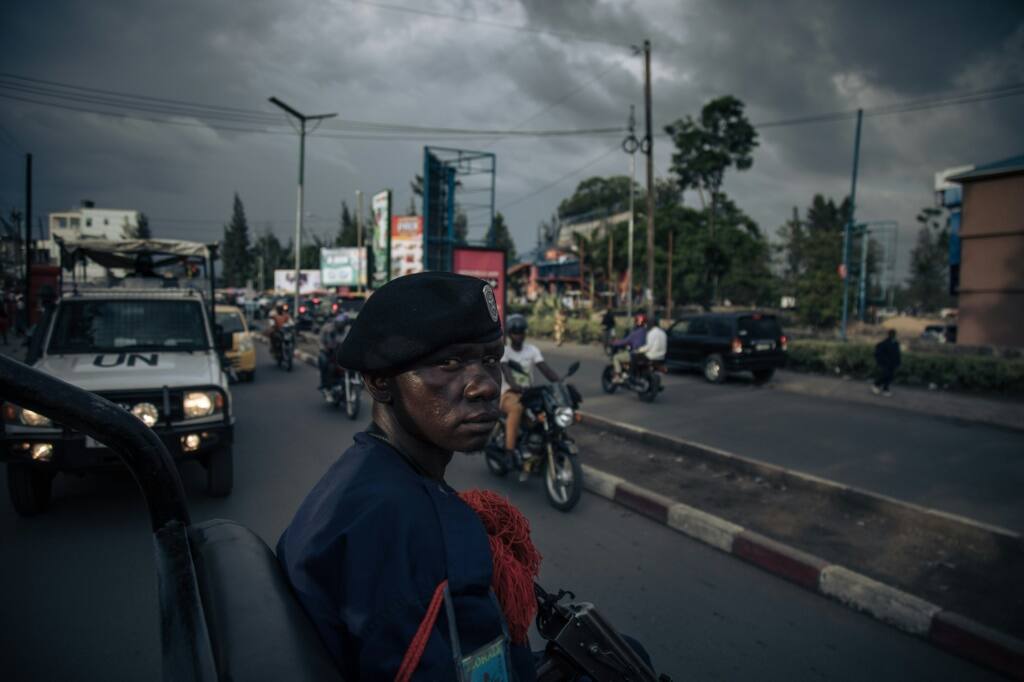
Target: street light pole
column 302, row 173
column 630, row 146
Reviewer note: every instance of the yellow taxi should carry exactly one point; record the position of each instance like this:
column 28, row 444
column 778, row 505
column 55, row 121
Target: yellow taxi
column 242, row 355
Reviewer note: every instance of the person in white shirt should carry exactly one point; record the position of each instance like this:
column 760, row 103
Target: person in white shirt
column 527, row 356
column 657, row 341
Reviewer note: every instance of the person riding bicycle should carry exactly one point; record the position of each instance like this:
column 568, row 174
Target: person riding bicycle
column 629, row 343
column 513, row 381
column 332, row 333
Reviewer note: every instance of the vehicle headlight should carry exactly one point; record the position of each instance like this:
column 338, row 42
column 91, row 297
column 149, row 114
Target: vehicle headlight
column 147, row 413
column 245, row 344
column 30, row 418
column 202, row 403
column 563, row 417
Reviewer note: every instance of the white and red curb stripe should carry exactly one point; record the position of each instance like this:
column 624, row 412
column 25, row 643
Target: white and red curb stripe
column 950, row 631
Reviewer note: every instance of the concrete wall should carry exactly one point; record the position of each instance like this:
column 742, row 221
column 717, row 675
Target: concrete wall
column 991, row 307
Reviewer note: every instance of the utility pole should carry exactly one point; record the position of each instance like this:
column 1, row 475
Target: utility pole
column 28, row 239
column 668, row 280
column 611, row 274
column 630, row 145
column 647, row 147
column 359, row 241
column 302, row 173
column 849, row 226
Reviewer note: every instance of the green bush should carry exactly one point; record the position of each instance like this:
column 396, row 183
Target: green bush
column 965, row 372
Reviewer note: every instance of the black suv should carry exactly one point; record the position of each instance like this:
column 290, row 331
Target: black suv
column 721, row 343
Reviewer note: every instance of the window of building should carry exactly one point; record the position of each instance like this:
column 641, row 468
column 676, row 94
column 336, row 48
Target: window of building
column 62, row 222
column 75, row 222
column 88, row 222
column 106, row 222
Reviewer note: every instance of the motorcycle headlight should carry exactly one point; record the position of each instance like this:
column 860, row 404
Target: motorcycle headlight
column 30, row 418
column 147, row 413
column 563, row 417
column 202, row 403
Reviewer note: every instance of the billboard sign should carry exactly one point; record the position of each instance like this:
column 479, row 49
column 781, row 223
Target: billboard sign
column 381, row 206
column 485, row 264
column 309, row 281
column 406, row 245
column 343, row 267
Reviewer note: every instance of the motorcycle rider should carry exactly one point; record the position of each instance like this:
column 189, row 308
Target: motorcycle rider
column 656, row 344
column 332, row 333
column 629, row 343
column 513, row 381
column 278, row 320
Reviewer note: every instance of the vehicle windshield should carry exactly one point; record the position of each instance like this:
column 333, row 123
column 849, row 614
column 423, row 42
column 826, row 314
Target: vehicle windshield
column 766, row 327
column 230, row 322
column 132, row 325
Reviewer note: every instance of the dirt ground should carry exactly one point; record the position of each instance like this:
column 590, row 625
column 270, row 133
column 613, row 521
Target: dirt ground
column 953, row 565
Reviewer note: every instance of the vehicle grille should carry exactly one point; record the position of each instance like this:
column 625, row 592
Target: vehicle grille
column 129, row 398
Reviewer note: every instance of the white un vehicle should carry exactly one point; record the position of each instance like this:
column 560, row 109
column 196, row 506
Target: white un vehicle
column 152, row 349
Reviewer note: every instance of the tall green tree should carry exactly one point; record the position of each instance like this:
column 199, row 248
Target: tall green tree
column 929, row 263
column 268, row 255
column 138, row 231
column 607, row 195
column 499, row 237
column 817, row 251
column 347, row 228
column 235, row 250
column 705, row 149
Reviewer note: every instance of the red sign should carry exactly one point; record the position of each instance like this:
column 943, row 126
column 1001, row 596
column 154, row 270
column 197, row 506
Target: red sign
column 485, row 264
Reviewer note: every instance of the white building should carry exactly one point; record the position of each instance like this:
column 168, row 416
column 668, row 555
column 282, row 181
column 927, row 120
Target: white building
column 89, row 222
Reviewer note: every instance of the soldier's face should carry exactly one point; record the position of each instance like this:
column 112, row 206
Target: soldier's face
column 450, row 399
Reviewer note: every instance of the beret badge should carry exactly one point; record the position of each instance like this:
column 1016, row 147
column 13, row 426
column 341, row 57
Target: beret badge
column 492, row 305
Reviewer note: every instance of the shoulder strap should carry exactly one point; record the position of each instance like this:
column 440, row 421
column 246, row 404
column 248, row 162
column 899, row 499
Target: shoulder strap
column 419, row 641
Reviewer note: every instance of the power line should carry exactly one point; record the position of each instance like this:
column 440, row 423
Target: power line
column 568, row 175
column 488, row 22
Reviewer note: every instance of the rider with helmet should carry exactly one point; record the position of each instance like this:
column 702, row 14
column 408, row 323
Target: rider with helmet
column 630, row 343
column 514, row 381
column 332, row 333
column 278, row 319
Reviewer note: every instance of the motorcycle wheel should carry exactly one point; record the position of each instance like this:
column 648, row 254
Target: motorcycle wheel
column 352, row 406
column 564, row 482
column 608, row 380
column 651, row 391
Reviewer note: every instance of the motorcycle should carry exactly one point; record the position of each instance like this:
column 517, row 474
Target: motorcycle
column 284, row 347
column 207, row 572
column 345, row 391
column 543, row 446
column 642, row 376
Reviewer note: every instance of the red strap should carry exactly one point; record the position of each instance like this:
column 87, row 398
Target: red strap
column 419, row 641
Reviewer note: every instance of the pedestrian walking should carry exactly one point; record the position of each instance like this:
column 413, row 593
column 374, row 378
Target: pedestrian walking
column 887, row 357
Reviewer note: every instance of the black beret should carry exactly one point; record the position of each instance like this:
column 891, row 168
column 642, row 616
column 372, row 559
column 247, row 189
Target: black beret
column 412, row 316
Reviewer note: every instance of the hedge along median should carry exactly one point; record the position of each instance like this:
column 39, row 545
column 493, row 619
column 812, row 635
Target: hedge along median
column 962, row 372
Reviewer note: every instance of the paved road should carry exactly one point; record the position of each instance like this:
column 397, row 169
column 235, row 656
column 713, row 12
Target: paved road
column 79, row 601
column 968, row 469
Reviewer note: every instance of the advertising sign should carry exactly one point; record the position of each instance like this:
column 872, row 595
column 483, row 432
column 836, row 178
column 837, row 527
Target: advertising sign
column 406, row 245
column 343, row 267
column 381, row 206
column 309, row 281
column 486, row 264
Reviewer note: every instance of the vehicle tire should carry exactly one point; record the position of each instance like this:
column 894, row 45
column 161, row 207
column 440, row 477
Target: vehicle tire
column 714, row 368
column 763, row 376
column 29, row 488
column 220, row 472
column 607, row 380
column 653, row 388
column 352, row 407
column 494, row 452
column 565, row 485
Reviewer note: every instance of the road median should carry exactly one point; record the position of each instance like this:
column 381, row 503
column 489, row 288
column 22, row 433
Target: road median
column 948, row 579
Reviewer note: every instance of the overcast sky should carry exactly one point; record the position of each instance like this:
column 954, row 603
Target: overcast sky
column 573, row 69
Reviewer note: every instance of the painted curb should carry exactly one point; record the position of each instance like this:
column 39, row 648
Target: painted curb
column 949, row 631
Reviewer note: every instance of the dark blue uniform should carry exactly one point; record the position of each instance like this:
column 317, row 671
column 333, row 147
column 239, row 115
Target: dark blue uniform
column 365, row 553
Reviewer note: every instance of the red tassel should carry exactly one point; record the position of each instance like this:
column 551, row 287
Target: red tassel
column 516, row 561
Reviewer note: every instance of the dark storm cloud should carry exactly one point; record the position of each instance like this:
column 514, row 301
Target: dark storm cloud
column 783, row 59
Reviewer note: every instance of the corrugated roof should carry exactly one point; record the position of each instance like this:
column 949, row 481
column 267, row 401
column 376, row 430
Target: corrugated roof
column 1014, row 164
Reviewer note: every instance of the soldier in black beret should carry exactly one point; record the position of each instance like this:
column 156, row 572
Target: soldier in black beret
column 379, row 536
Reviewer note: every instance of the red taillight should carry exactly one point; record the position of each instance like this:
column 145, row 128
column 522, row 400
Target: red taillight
column 334, row 307
column 302, row 309
column 737, row 346
column 783, row 342
column 316, row 301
